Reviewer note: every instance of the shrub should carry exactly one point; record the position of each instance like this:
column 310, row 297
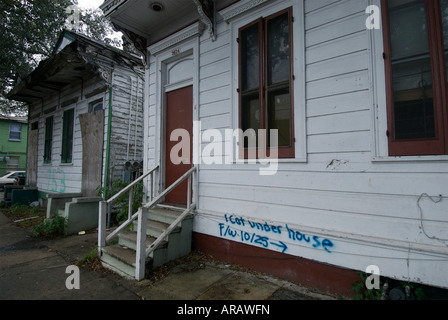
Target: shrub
column 121, row 204
column 51, row 228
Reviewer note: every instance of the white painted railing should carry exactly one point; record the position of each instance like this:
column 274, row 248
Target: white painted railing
column 102, row 214
column 141, row 215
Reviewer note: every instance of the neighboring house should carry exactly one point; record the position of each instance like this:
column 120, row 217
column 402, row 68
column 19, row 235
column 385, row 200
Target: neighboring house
column 13, row 144
column 362, row 120
column 85, row 115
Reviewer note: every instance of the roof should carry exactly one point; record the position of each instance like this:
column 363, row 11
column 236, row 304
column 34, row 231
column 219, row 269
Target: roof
column 14, row 119
column 75, row 57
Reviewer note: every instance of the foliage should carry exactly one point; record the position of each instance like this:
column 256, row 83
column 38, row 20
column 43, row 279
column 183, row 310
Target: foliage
column 51, row 228
column 417, row 292
column 29, row 31
column 122, row 202
column 95, row 25
column 30, row 216
column 20, row 210
column 89, row 257
column 361, row 292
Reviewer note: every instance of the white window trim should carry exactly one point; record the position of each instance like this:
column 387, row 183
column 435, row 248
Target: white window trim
column 251, row 13
column 11, row 131
column 380, row 144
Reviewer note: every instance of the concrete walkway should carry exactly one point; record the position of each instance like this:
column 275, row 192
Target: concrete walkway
column 32, row 269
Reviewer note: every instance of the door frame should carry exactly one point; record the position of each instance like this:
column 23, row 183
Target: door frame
column 182, row 46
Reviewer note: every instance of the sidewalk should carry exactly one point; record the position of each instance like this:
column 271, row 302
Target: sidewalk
column 33, row 269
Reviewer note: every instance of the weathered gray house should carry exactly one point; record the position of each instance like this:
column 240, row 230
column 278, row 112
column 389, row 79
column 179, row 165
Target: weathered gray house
column 360, row 107
column 85, row 118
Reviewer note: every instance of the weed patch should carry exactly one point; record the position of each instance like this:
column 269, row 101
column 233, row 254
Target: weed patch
column 51, row 228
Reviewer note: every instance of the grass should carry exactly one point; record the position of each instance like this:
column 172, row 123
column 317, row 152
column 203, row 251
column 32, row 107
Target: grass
column 24, row 216
column 34, row 218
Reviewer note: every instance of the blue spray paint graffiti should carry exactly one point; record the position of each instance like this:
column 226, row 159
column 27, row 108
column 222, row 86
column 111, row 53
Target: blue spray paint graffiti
column 317, row 242
column 56, row 180
column 233, row 229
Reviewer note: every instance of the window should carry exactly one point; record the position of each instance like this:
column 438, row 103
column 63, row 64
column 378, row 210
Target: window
column 15, row 131
column 96, row 106
column 48, row 139
column 67, row 136
column 416, row 51
column 266, row 80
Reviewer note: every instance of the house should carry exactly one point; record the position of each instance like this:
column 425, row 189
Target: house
column 85, row 119
column 358, row 110
column 13, row 135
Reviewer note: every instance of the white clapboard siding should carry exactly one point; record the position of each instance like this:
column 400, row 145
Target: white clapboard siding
column 56, row 177
column 127, row 121
column 370, row 208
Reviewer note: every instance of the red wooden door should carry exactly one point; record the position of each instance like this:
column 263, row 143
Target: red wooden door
column 179, row 115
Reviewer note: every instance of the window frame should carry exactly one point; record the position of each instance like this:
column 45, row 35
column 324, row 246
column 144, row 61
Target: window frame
column 421, row 146
column 67, row 136
column 11, row 125
column 262, row 22
column 48, row 142
column 93, row 105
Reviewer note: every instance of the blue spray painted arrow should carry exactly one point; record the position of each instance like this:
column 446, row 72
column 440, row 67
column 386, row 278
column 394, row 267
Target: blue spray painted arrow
column 281, row 245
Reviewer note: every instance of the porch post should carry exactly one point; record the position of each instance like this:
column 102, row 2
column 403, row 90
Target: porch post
column 102, row 212
column 140, row 256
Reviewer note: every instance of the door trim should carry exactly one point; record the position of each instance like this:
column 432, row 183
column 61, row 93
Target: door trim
column 187, row 50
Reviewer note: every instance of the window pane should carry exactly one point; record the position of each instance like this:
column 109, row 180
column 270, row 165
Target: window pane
column 444, row 11
column 250, row 54
column 14, row 135
column 278, row 49
column 279, row 115
column 15, row 131
column 250, row 114
column 408, row 28
column 48, row 139
column 413, row 95
column 411, row 70
column 67, row 139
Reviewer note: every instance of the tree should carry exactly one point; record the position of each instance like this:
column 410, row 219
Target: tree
column 95, row 25
column 28, row 31
column 28, row 34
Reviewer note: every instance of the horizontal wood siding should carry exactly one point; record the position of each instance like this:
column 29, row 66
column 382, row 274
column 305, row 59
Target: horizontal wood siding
column 369, row 209
column 127, row 122
column 56, row 177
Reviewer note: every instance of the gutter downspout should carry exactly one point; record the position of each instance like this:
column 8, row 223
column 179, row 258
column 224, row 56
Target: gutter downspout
column 106, row 167
column 109, row 127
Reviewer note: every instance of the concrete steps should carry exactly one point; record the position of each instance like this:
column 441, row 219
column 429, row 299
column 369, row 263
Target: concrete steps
column 120, row 257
